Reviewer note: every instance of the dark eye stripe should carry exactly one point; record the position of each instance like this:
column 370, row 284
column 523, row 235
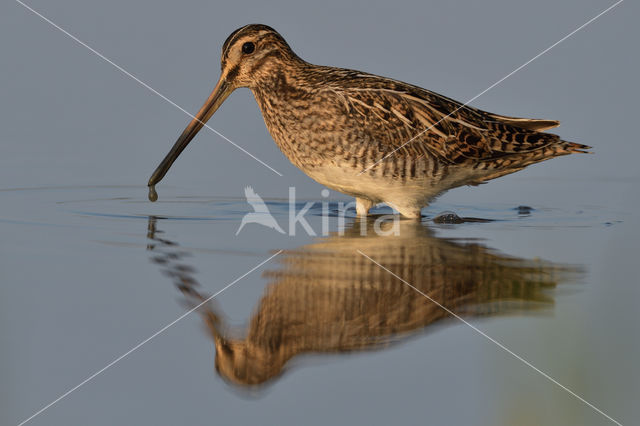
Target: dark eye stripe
column 233, row 72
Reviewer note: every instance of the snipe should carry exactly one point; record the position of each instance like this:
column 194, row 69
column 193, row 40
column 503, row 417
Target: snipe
column 371, row 137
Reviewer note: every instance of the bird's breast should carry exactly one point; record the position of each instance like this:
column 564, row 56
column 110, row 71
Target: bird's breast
column 308, row 127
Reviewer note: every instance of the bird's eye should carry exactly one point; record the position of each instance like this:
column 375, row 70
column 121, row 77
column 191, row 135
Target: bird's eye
column 248, row 47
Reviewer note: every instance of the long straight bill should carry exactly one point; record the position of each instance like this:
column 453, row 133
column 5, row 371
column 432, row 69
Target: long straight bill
column 217, row 97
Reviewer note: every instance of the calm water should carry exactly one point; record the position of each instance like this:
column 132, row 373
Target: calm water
column 318, row 335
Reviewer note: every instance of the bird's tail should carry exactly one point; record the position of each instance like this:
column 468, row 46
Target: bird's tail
column 573, row 147
column 554, row 150
column 520, row 161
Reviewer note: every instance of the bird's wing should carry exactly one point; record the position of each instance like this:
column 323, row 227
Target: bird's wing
column 527, row 123
column 397, row 113
column 255, row 201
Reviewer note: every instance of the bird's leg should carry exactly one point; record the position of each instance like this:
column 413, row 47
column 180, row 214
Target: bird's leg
column 410, row 212
column 363, row 205
column 409, row 209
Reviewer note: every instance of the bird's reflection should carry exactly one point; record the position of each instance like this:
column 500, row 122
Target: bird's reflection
column 326, row 297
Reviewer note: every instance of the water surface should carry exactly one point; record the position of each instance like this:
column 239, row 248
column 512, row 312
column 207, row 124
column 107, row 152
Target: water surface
column 319, row 333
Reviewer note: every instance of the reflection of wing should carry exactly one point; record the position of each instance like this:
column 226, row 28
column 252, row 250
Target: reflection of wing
column 255, row 201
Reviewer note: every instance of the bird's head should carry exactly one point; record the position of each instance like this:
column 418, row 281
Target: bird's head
column 245, row 364
column 249, row 55
column 252, row 53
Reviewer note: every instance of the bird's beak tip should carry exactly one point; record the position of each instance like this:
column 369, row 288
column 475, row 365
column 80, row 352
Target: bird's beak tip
column 153, row 195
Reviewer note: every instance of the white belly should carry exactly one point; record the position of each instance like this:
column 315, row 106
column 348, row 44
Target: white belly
column 405, row 196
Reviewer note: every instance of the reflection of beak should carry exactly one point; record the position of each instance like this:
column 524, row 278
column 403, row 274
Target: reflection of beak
column 222, row 90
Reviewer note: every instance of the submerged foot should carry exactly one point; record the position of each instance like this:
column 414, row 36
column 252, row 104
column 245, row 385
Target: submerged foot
column 449, row 217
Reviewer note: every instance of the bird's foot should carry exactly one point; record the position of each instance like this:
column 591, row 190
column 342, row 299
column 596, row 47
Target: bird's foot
column 363, row 205
column 407, row 210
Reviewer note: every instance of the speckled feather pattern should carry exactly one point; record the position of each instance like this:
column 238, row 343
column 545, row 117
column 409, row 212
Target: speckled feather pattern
column 327, row 298
column 323, row 117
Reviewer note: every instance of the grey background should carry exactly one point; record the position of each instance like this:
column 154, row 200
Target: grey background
column 62, row 103
column 77, row 291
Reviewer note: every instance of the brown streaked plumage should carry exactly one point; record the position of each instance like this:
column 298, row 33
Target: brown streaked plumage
column 325, row 297
column 349, row 130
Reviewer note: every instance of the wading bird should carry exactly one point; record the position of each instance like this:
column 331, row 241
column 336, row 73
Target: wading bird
column 377, row 139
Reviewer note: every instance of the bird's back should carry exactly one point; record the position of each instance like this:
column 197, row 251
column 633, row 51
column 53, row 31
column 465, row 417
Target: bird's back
column 342, row 110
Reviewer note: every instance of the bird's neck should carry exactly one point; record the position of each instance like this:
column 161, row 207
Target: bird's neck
column 283, row 83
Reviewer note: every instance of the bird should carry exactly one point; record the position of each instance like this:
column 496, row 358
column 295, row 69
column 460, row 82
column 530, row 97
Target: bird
column 261, row 213
column 377, row 139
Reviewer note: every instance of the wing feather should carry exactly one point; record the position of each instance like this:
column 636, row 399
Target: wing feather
column 454, row 132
